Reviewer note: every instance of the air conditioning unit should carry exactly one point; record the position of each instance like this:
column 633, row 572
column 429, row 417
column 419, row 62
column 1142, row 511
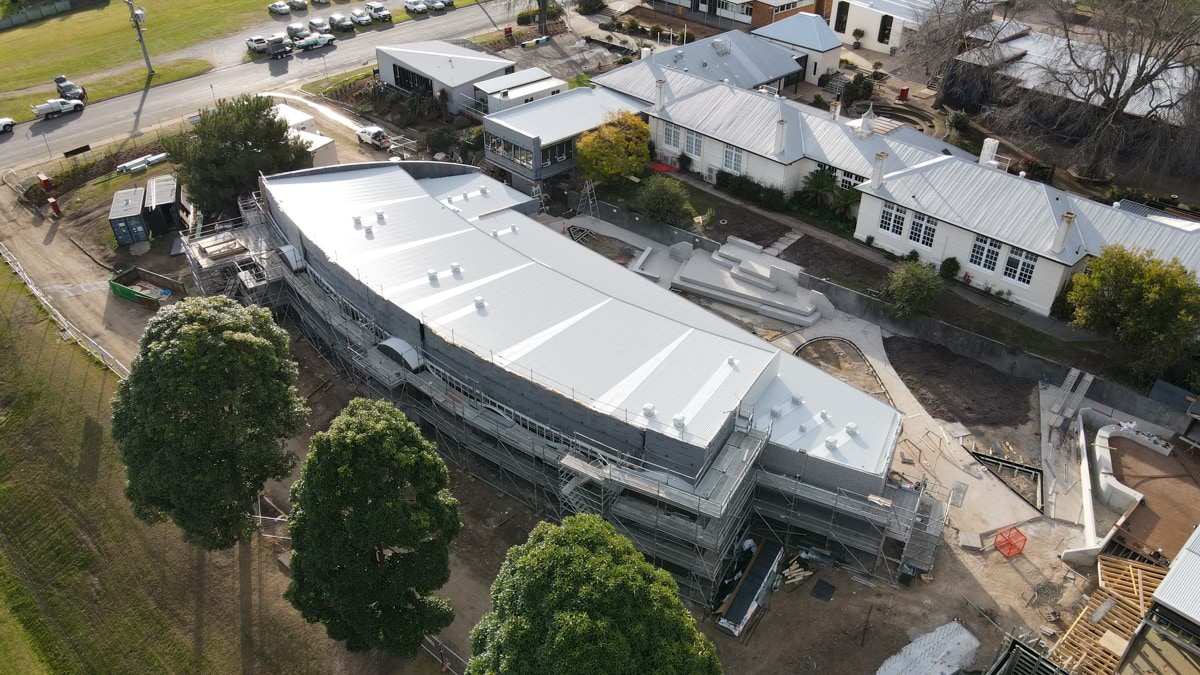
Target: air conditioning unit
column 710, row 174
column 545, row 164
column 560, row 158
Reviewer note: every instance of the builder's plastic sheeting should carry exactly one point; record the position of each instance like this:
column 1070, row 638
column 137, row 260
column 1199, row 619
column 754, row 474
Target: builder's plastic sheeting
column 947, row 649
column 401, row 352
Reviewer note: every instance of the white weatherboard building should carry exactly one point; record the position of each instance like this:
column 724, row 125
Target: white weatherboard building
column 436, row 66
column 589, row 388
column 519, row 88
column 1009, row 233
column 885, row 23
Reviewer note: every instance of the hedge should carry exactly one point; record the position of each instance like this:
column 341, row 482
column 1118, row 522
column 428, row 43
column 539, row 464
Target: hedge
column 528, row 16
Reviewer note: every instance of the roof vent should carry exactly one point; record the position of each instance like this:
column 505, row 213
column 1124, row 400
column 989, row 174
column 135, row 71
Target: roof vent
column 732, row 361
column 514, row 229
column 777, row 411
column 797, row 400
column 483, row 189
column 466, row 196
column 357, row 222
column 679, row 421
column 648, row 410
column 852, row 428
column 704, row 64
column 802, row 428
column 824, row 415
column 1022, row 174
column 495, row 233
column 831, row 443
column 455, row 267
column 380, row 216
column 479, row 302
column 432, row 275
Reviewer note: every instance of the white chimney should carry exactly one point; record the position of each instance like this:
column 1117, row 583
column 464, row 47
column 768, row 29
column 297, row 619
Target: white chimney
column 1064, row 229
column 877, row 173
column 780, row 132
column 659, row 101
column 988, row 153
column 835, row 111
column 645, row 52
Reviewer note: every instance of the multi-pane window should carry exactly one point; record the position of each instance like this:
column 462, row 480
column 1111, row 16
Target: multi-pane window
column 671, row 136
column 985, row 252
column 922, row 230
column 786, row 7
column 1019, row 265
column 849, row 180
column 694, row 143
column 733, row 159
column 509, row 150
column 891, row 219
column 822, row 166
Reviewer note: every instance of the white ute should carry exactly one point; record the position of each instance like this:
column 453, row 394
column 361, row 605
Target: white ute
column 6, row 124
column 56, row 106
column 375, row 136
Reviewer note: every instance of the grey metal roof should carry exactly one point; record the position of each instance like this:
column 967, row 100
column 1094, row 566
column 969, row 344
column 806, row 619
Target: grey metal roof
column 1025, row 213
column 566, row 115
column 160, row 190
column 640, row 80
column 566, row 318
column 803, row 30
column 913, row 11
column 748, row 119
column 1180, row 589
column 735, row 56
column 444, row 62
column 998, row 30
column 127, row 203
column 517, row 79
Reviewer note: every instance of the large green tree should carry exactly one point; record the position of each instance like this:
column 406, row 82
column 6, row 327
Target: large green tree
column 579, row 599
column 372, row 523
column 229, row 147
column 1148, row 304
column 202, row 418
column 619, row 147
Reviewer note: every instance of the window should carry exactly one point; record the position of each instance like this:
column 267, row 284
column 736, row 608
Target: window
column 559, row 152
column 733, row 159
column 849, row 180
column 735, row 7
column 509, row 150
column 1019, row 265
column 529, row 100
column 839, row 24
column 786, row 7
column 885, row 28
column 694, row 144
column 410, row 81
column 671, row 136
column 555, row 91
column 923, row 229
column 891, row 219
column 821, row 166
column 985, row 252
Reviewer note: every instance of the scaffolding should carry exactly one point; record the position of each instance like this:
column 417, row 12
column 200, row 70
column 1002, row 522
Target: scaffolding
column 688, row 525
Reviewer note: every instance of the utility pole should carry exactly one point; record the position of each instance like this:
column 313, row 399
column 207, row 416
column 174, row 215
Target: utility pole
column 137, row 17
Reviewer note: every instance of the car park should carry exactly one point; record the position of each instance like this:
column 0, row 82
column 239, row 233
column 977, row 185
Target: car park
column 318, row 25
column 360, row 17
column 377, row 11
column 298, row 31
column 279, row 8
column 340, row 22
column 7, row 124
column 298, row 4
column 415, row 7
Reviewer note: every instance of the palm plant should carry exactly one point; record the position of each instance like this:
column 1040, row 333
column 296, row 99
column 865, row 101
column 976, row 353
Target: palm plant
column 819, row 189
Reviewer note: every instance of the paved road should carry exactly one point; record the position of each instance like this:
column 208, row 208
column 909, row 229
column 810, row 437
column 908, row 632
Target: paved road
column 40, row 140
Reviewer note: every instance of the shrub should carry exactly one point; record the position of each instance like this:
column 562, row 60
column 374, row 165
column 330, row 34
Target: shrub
column 624, row 60
column 819, row 101
column 439, row 140
column 745, row 188
column 461, row 122
column 633, row 26
column 870, row 240
column 589, row 6
column 773, row 198
column 912, row 287
column 655, row 31
column 912, row 256
column 949, row 268
column 824, row 80
column 685, row 163
column 664, row 199
column 859, row 33
column 958, row 121
column 724, row 178
column 529, row 16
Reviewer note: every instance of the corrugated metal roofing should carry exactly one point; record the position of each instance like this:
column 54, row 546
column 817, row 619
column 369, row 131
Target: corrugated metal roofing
column 517, row 79
column 640, row 80
column 565, row 115
column 735, row 56
column 127, row 203
column 160, row 190
column 748, row 119
column 1180, row 589
column 998, row 30
column 1026, row 213
column 292, row 116
column 446, row 63
column 565, row 317
column 912, row 11
column 803, row 30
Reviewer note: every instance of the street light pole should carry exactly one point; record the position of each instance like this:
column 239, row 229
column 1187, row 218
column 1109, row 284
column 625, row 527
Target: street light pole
column 137, row 18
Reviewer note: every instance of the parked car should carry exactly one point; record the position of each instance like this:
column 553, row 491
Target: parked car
column 435, row 5
column 340, row 22
column 375, row 136
column 298, row 4
column 257, row 44
column 298, row 31
column 318, row 25
column 314, row 41
column 279, row 8
column 56, row 106
column 360, row 17
column 320, row 2
column 377, row 11
column 68, row 89
column 415, row 7
column 6, row 124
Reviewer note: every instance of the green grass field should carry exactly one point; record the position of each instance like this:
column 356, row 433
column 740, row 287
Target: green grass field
column 134, row 79
column 92, row 588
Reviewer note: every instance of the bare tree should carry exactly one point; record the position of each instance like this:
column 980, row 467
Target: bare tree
column 942, row 35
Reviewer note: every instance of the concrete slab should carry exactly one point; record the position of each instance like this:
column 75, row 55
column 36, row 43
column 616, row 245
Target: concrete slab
column 970, row 540
column 947, row 649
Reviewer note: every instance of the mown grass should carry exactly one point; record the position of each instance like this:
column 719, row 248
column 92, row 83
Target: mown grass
column 323, row 85
column 93, row 588
column 20, row 656
column 127, row 82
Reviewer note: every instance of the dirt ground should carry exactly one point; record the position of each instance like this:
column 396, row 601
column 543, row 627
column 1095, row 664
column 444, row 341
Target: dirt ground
column 612, row 248
column 739, row 222
column 1172, row 507
column 839, row 359
column 997, row 409
column 822, row 260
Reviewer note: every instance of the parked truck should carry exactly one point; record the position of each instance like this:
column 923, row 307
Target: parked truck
column 56, row 106
column 374, row 136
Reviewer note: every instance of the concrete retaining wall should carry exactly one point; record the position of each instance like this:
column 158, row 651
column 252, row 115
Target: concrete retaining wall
column 635, row 222
column 998, row 355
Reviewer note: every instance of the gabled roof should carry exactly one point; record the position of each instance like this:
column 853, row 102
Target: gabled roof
column 998, row 30
column 517, row 79
column 802, row 30
column 566, row 115
column 446, row 63
column 748, row 120
column 1025, row 213
column 736, row 57
column 640, row 80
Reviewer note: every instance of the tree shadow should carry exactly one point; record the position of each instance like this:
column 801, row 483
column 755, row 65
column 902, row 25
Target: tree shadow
column 89, row 449
column 245, row 606
column 199, row 593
